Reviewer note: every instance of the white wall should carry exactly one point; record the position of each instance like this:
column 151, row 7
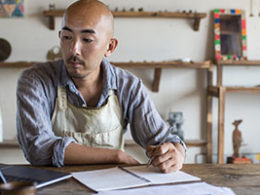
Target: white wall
column 151, row 39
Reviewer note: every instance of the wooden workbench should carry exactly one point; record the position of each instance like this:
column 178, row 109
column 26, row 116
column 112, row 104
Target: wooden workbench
column 243, row 179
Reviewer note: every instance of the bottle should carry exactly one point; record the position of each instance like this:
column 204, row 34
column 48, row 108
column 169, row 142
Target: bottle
column 1, row 127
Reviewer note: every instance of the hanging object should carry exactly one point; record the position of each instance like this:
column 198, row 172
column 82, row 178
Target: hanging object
column 230, row 34
column 54, row 53
column 5, row 49
column 11, row 8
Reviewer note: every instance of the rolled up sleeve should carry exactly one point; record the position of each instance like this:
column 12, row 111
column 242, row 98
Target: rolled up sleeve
column 34, row 129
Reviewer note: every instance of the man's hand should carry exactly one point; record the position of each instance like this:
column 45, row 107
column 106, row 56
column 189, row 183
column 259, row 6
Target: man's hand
column 124, row 158
column 168, row 157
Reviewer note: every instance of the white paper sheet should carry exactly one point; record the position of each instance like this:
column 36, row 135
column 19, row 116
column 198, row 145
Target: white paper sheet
column 118, row 178
column 107, row 179
column 200, row 188
column 156, row 177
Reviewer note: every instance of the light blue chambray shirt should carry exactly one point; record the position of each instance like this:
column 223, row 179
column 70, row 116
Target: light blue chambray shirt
column 36, row 95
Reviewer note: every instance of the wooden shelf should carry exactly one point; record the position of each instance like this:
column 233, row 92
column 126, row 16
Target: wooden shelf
column 195, row 143
column 20, row 64
column 189, row 143
column 157, row 66
column 239, row 62
column 143, row 14
column 243, row 89
column 164, row 64
column 144, row 64
column 9, row 144
column 214, row 90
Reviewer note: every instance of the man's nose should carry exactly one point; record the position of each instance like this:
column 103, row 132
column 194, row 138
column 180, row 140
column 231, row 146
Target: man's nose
column 76, row 47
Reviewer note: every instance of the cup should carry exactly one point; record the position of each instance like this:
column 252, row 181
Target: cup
column 18, row 188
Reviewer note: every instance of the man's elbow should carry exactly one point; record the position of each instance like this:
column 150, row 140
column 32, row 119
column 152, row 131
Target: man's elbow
column 36, row 158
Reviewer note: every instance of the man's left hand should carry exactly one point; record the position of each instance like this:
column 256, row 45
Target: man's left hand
column 168, row 157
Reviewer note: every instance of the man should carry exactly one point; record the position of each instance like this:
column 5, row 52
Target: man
column 75, row 111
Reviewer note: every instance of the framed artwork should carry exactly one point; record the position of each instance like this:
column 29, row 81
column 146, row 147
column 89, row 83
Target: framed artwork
column 11, row 8
column 230, row 34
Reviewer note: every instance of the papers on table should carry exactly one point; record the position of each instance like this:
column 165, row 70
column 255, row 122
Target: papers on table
column 156, row 177
column 128, row 177
column 200, row 188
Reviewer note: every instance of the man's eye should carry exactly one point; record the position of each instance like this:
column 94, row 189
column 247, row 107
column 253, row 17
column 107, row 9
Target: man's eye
column 87, row 40
column 67, row 37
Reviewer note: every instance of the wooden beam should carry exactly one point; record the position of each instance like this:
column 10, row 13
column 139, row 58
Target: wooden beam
column 209, row 118
column 213, row 91
column 221, row 122
column 219, row 74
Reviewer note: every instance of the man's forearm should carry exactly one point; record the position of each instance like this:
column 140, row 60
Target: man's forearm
column 79, row 154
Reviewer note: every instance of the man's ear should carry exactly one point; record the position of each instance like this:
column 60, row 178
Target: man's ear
column 59, row 34
column 111, row 47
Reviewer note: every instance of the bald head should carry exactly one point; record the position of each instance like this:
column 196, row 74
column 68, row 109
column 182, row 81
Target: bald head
column 86, row 38
column 89, row 12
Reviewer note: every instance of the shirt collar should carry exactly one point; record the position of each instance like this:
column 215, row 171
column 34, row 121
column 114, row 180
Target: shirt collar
column 109, row 77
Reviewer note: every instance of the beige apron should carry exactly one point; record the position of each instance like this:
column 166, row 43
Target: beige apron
column 96, row 127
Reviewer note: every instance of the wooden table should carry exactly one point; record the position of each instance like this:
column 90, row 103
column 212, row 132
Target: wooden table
column 243, row 179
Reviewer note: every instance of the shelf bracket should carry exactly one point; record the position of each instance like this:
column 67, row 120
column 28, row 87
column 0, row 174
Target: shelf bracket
column 196, row 22
column 156, row 79
column 51, row 22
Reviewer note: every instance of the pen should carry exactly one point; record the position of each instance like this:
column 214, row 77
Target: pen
column 160, row 143
column 2, row 177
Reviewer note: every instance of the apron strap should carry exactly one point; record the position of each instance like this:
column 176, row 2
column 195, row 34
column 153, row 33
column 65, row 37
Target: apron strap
column 111, row 92
column 62, row 98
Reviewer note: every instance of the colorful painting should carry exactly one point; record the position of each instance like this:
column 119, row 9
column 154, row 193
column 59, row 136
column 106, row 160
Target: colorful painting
column 230, row 34
column 11, row 8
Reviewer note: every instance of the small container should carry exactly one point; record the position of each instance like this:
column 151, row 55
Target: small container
column 18, row 188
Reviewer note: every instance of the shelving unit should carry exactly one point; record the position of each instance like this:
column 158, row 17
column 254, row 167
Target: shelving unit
column 157, row 66
column 52, row 14
column 220, row 91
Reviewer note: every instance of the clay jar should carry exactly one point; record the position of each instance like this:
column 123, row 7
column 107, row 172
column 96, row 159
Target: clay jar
column 18, row 188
